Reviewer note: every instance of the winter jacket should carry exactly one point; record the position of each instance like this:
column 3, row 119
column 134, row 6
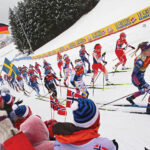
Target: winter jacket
column 37, row 133
column 94, row 144
column 71, row 137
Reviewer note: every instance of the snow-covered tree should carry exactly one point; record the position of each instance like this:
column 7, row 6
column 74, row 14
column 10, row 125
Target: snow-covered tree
column 43, row 20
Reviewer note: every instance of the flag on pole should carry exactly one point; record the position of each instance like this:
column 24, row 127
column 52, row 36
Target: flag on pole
column 61, row 110
column 53, row 104
column 10, row 69
column 70, row 97
column 4, row 29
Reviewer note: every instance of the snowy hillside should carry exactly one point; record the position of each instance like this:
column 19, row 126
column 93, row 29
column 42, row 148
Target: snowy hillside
column 129, row 129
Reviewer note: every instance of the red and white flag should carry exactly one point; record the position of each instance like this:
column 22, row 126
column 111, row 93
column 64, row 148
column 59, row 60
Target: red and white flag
column 70, row 97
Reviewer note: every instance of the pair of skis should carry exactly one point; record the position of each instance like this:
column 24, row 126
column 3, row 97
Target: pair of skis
column 117, row 106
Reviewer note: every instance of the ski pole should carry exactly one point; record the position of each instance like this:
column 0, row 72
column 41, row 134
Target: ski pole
column 123, row 54
column 97, row 76
column 46, row 94
column 31, row 92
column 144, row 96
column 67, row 87
column 116, row 100
column 95, row 81
column 43, row 86
column 103, row 76
column 60, row 89
column 93, row 88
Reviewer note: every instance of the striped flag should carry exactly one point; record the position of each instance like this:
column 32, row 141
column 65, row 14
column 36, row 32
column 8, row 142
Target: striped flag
column 61, row 110
column 70, row 97
column 4, row 29
column 10, row 68
column 53, row 104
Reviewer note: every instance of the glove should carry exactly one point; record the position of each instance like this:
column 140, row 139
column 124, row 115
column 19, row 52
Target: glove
column 132, row 47
column 49, row 125
column 56, row 84
column 6, row 128
column 146, row 85
column 116, row 144
column 148, row 89
column 105, row 62
column 145, row 88
column 59, row 79
column 18, row 102
column 103, row 54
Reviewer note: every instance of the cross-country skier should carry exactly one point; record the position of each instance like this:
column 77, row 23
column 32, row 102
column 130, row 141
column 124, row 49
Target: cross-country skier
column 34, row 84
column 98, row 63
column 47, row 66
column 120, row 51
column 66, row 67
column 140, row 66
column 20, row 82
column 14, row 83
column 24, row 71
column 6, row 77
column 76, row 78
column 31, row 70
column 38, row 69
column 82, row 54
column 49, row 83
column 60, row 62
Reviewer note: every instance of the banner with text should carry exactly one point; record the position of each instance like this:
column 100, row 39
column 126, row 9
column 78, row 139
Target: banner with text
column 123, row 24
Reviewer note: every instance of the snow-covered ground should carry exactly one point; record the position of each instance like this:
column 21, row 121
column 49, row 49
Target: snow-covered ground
column 130, row 130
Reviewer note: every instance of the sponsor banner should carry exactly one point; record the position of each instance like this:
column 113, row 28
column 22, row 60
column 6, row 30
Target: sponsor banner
column 22, row 58
column 123, row 24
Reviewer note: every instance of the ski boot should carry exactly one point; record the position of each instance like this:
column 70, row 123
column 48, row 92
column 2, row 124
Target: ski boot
column 115, row 68
column 60, row 75
column 89, row 71
column 148, row 109
column 124, row 68
column 130, row 100
column 108, row 82
column 92, row 81
column 65, row 84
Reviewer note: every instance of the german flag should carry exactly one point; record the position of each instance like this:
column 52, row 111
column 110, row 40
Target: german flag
column 4, row 29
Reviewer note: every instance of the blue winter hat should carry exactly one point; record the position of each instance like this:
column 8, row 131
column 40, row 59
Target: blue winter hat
column 85, row 112
column 8, row 99
column 145, row 46
column 22, row 111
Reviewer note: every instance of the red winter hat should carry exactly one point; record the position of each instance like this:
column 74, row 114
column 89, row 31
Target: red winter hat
column 122, row 34
column 97, row 46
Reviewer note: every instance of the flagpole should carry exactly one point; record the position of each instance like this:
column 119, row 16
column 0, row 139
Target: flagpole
column 31, row 50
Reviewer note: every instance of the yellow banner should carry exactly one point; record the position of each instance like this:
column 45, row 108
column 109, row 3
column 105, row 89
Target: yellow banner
column 123, row 24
